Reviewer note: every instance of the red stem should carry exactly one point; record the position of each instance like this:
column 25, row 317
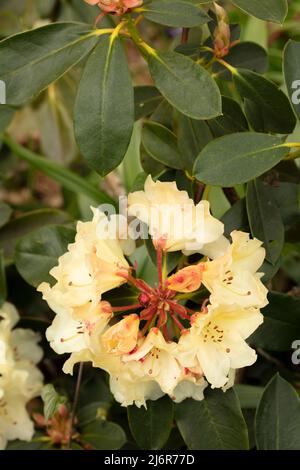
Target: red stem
column 126, row 307
column 159, row 267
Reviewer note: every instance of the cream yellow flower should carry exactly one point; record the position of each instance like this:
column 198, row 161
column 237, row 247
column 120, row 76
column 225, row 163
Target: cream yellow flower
column 158, row 360
column 216, row 341
column 174, row 222
column 20, row 379
column 232, row 278
column 91, row 267
column 121, row 338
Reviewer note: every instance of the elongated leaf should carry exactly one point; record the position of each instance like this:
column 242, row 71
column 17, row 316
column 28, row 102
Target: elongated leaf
column 268, row 10
column 104, row 435
column 66, row 178
column 281, row 323
column 215, row 423
column 271, row 103
column 192, row 137
column 277, row 421
column 246, row 55
column 32, row 60
column 161, row 144
column 185, row 84
column 104, row 109
column 6, row 115
column 232, row 119
column 92, row 411
column 17, row 228
column 237, row 158
column 151, row 427
column 146, row 100
column 265, row 219
column 175, row 13
column 291, row 68
column 236, row 218
column 3, row 287
column 38, row 252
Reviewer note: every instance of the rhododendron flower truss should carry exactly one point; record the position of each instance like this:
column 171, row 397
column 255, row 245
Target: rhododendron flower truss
column 164, row 342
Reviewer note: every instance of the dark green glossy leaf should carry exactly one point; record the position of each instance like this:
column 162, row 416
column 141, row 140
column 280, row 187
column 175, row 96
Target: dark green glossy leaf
column 92, row 411
column 232, row 119
column 276, row 112
column 245, row 55
column 192, row 137
column 268, row 10
column 151, row 427
column 237, row 158
column 185, row 84
column 281, row 323
column 236, row 218
column 265, row 219
column 32, row 60
column 161, row 144
column 277, row 421
column 104, row 435
column 175, row 13
column 38, row 252
column 104, row 109
column 215, row 423
column 146, row 100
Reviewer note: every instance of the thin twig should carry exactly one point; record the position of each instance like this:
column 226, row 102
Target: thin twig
column 75, row 402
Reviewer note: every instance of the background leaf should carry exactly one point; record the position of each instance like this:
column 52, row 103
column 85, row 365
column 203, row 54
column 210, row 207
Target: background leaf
column 268, row 10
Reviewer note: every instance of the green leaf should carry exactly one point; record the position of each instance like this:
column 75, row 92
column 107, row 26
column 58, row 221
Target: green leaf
column 146, row 270
column 104, row 108
column 92, row 411
column 19, row 227
column 66, row 178
column 277, row 421
column 38, row 252
column 104, row 435
column 6, row 115
column 151, row 427
column 192, row 137
column 51, row 400
column 232, row 119
column 161, row 144
column 215, row 423
column 146, row 100
column 268, row 10
column 276, row 114
column 237, row 158
column 175, row 13
column 249, row 395
column 291, row 69
column 149, row 165
column 236, row 218
column 3, row 287
column 246, row 55
column 185, row 84
column 265, row 219
column 32, row 60
column 281, row 323
column 5, row 213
